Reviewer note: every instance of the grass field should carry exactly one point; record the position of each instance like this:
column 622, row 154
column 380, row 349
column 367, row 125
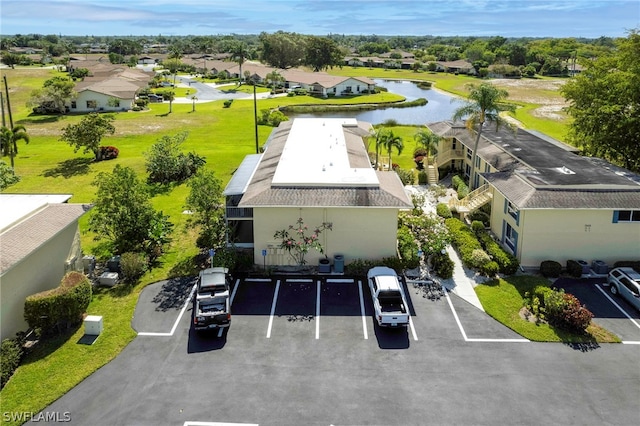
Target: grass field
column 222, row 135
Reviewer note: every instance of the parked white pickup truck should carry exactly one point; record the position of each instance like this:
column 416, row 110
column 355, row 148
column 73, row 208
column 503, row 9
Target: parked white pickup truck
column 388, row 298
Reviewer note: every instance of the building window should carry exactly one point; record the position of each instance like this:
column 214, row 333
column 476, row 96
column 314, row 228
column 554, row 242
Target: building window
column 74, row 105
column 487, row 167
column 92, row 104
column 469, row 153
column 454, row 144
column 467, row 171
column 510, row 237
column 477, row 162
column 626, row 216
column 512, row 210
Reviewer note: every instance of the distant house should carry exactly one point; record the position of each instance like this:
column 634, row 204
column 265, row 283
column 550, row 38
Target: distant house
column 108, row 90
column 547, row 201
column 460, row 66
column 317, row 170
column 325, row 85
column 40, row 242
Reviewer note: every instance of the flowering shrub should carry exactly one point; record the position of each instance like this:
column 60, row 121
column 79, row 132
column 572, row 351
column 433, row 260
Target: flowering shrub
column 559, row 308
column 298, row 240
column 428, row 230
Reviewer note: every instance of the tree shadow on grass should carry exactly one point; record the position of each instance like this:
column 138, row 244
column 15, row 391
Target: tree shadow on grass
column 48, row 345
column 70, row 168
column 39, row 119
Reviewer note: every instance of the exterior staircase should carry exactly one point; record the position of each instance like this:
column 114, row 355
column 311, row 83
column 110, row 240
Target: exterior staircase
column 432, row 174
column 473, row 201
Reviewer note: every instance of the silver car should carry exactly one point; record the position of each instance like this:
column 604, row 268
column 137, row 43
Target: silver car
column 625, row 281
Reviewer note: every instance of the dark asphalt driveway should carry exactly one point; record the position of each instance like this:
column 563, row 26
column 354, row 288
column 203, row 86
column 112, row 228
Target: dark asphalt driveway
column 341, row 377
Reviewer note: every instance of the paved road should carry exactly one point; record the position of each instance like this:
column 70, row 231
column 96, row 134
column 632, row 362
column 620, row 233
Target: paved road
column 317, row 368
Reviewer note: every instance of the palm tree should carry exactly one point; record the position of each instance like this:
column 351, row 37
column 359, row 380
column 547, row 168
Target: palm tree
column 239, row 53
column 429, row 141
column 485, row 102
column 10, row 137
column 390, row 141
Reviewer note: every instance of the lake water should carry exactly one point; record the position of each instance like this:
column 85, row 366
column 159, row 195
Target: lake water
column 440, row 106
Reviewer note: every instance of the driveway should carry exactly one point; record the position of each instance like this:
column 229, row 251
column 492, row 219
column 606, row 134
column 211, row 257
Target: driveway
column 308, row 352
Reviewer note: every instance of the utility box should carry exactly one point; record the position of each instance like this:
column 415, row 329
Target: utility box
column 89, row 264
column 585, row 267
column 108, row 278
column 93, row 325
column 599, row 267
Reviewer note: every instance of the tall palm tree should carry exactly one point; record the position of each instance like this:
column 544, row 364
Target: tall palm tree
column 485, row 103
column 239, row 53
column 429, row 141
column 390, row 141
column 9, row 138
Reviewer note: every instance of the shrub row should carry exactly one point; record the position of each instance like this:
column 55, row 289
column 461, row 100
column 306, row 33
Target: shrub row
column 457, row 182
column 442, row 265
column 133, row 266
column 10, row 357
column 408, row 248
column 508, row 263
column 54, row 310
column 470, row 249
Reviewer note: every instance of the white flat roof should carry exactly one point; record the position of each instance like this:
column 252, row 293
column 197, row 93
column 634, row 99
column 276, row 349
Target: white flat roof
column 315, row 154
column 17, row 207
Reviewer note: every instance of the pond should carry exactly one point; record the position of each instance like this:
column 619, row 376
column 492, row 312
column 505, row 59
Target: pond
column 440, row 106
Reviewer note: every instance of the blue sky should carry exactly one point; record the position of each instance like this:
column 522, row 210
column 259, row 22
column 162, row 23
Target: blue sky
column 508, row 18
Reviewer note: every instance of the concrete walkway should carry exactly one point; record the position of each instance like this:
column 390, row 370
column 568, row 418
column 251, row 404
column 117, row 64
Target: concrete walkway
column 463, row 280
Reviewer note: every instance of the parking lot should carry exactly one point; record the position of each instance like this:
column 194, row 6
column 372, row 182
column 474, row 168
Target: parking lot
column 307, row 351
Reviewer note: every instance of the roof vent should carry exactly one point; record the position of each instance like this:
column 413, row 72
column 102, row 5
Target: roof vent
column 565, row 170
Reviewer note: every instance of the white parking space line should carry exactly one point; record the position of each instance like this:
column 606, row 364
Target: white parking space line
column 235, row 289
column 318, row 309
column 273, row 308
column 464, row 335
column 404, row 299
column 175, row 324
column 362, row 313
column 617, row 306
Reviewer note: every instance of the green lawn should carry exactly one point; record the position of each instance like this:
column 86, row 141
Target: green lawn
column 503, row 299
column 222, row 135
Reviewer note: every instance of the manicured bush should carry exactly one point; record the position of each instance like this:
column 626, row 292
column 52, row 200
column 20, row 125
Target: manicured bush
column 462, row 191
column 54, row 310
column 479, row 258
column 133, row 266
column 508, row 263
column 479, row 215
column 490, row 269
column 443, row 210
column 477, row 226
column 574, row 268
column 456, row 181
column 10, row 357
column 396, row 264
column 442, row 265
column 228, row 103
column 108, row 153
column 550, row 269
column 565, row 311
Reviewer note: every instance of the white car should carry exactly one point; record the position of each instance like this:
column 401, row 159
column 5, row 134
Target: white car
column 625, row 281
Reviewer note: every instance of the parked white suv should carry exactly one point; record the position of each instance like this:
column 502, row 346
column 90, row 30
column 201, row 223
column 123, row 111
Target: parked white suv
column 625, row 281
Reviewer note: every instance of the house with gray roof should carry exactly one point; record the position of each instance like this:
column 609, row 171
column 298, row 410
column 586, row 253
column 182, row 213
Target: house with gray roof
column 317, row 170
column 548, row 202
column 39, row 243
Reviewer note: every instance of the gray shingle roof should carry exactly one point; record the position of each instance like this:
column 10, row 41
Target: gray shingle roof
column 19, row 241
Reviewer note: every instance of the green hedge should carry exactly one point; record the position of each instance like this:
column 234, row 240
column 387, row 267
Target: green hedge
column 442, row 265
column 54, row 310
column 10, row 356
column 464, row 240
column 507, row 262
column 408, row 247
column 550, row 269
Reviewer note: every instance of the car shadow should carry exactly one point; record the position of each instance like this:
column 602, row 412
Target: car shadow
column 206, row 341
column 392, row 338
